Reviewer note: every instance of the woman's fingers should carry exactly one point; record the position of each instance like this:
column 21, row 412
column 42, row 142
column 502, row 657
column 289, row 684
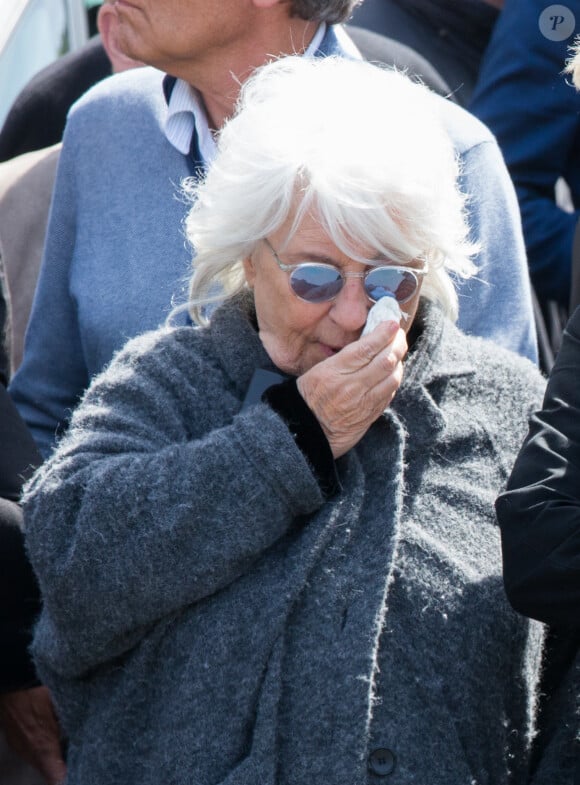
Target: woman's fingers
column 349, row 391
column 359, row 354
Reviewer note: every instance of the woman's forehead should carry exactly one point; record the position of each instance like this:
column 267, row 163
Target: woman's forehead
column 308, row 228
column 306, row 235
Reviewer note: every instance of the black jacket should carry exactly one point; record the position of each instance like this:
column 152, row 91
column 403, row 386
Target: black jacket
column 19, row 595
column 539, row 513
column 37, row 117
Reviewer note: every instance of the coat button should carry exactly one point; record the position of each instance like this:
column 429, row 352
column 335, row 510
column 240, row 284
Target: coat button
column 382, row 762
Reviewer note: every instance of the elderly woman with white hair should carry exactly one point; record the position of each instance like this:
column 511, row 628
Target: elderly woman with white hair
column 267, row 546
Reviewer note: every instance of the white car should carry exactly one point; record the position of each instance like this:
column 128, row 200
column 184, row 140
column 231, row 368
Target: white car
column 33, row 33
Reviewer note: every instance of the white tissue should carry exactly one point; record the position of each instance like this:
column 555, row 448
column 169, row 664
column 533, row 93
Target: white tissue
column 384, row 310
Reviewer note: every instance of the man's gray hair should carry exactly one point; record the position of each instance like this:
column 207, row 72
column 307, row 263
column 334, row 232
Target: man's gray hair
column 331, row 11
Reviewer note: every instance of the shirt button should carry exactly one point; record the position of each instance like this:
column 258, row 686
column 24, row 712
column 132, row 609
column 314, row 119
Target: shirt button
column 382, row 762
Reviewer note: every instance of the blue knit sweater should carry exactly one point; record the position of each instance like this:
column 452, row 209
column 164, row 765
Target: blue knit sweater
column 116, row 255
column 209, row 618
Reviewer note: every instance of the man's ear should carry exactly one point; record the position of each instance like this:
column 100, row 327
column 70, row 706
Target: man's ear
column 107, row 22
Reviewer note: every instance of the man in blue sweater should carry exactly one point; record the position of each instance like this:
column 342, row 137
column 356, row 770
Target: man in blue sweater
column 116, row 260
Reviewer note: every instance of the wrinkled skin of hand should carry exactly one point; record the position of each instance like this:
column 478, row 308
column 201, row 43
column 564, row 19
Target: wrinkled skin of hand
column 32, row 731
column 349, row 391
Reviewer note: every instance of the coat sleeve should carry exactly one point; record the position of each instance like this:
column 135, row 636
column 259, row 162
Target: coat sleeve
column 539, row 513
column 145, row 509
column 539, row 135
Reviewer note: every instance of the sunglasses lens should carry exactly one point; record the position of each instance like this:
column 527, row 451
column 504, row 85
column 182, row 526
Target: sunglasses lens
column 401, row 284
column 315, row 283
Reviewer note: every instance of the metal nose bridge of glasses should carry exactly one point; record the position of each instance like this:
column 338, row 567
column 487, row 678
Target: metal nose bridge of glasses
column 378, row 281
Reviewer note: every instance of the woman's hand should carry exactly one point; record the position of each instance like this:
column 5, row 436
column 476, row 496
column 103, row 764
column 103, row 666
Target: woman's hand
column 349, row 391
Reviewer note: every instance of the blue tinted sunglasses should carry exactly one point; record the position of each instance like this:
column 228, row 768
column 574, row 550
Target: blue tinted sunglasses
column 317, row 282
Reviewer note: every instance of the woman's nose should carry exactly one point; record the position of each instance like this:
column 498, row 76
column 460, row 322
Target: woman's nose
column 351, row 305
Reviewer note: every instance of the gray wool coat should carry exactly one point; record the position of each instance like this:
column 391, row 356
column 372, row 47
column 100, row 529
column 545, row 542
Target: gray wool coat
column 210, row 618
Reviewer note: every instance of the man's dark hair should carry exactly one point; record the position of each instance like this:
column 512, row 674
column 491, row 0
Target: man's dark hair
column 331, row 11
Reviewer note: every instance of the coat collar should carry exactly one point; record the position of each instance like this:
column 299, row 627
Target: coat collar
column 439, row 351
column 438, row 355
column 337, row 42
column 236, row 342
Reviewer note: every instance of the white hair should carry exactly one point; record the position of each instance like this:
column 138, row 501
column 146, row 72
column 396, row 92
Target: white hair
column 360, row 147
column 573, row 64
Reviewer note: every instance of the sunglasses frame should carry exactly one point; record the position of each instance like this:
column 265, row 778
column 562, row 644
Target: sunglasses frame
column 290, row 268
